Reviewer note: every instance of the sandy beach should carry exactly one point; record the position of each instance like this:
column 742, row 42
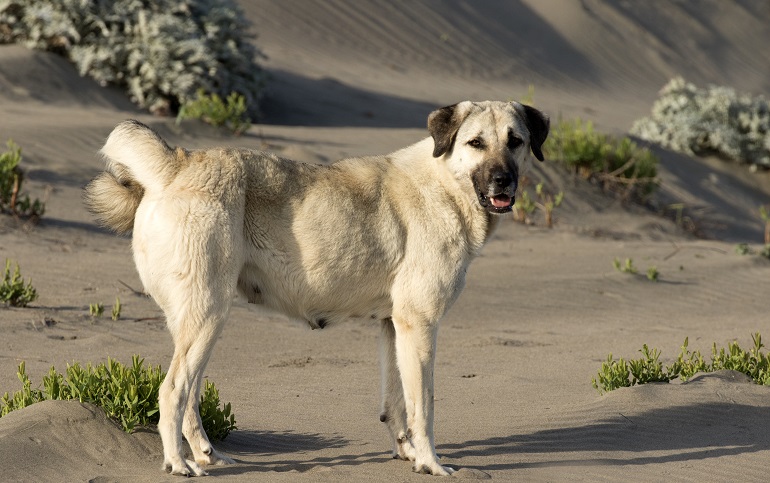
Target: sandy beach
column 542, row 307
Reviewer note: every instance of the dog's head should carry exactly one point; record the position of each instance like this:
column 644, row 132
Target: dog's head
column 487, row 145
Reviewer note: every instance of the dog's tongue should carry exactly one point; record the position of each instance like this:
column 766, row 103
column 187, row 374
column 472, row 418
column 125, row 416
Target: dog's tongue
column 501, row 201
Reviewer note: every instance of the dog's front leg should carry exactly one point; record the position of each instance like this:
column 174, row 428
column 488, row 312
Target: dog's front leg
column 393, row 412
column 415, row 353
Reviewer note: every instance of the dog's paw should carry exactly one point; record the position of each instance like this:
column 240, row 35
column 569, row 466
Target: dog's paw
column 433, row 469
column 404, row 450
column 184, row 468
column 213, row 457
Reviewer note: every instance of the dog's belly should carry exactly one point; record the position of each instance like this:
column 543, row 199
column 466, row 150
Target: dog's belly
column 320, row 299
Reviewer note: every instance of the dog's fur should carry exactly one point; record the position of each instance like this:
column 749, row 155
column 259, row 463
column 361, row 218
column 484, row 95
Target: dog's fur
column 385, row 237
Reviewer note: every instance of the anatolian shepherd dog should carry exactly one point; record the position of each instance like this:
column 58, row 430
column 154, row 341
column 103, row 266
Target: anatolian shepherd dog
column 387, row 238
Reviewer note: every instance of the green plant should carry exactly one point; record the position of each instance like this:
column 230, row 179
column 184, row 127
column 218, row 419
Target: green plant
column 217, row 422
column 765, row 252
column 96, row 310
column 548, row 202
column 525, row 205
column 160, row 52
column 116, row 309
column 619, row 165
column 648, row 368
column 12, row 200
column 753, row 363
column 653, row 274
column 716, row 120
column 626, row 267
column 13, row 290
column 523, row 208
column 614, row 374
column 688, row 363
column 764, row 213
column 127, row 394
column 743, row 249
column 211, row 109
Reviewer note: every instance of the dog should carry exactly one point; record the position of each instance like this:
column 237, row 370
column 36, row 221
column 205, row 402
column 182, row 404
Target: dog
column 387, row 238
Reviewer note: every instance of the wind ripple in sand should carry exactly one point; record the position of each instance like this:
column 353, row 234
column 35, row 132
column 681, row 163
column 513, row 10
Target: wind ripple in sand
column 639, row 433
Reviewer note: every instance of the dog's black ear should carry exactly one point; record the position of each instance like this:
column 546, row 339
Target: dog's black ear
column 538, row 124
column 443, row 125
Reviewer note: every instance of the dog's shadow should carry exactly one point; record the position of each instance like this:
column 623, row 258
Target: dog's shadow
column 268, row 444
column 674, row 434
column 683, row 433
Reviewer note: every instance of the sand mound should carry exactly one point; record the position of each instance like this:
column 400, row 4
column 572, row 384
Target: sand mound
column 51, row 439
column 44, row 77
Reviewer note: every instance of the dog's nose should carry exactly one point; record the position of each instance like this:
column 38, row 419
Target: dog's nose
column 502, row 179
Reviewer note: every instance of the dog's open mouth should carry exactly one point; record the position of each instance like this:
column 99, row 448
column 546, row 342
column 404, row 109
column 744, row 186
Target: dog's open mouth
column 501, row 203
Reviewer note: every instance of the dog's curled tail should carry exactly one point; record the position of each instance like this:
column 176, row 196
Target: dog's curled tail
column 138, row 160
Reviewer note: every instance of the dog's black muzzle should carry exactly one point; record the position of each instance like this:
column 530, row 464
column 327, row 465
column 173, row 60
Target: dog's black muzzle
column 495, row 188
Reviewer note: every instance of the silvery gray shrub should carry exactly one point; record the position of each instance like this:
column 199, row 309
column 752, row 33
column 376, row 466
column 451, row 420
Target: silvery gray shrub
column 160, row 51
column 716, row 120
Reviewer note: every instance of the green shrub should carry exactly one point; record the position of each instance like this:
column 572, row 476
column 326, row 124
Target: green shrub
column 614, row 374
column 116, row 309
column 95, row 310
column 764, row 214
column 743, row 249
column 12, row 200
column 213, row 110
column 217, row 422
column 161, row 52
column 626, row 267
column 716, row 120
column 525, row 205
column 13, row 290
column 127, row 394
column 652, row 274
column 620, row 165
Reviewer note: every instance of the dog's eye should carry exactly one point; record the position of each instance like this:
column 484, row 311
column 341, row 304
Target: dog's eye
column 476, row 143
column 514, row 142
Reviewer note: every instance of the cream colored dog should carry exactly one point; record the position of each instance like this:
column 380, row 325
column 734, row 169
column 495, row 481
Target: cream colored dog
column 383, row 237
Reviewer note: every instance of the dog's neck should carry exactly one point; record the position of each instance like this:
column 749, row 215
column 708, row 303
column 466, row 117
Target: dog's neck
column 481, row 224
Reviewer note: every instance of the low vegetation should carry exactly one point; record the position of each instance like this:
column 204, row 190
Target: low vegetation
column 625, row 267
column 13, row 200
column 127, row 394
column 14, row 291
column 160, row 52
column 116, row 309
column 621, row 373
column 96, row 310
column 628, row 267
column 525, row 206
column 652, row 274
column 619, row 165
column 745, row 249
column 764, row 214
column 230, row 113
column 715, row 120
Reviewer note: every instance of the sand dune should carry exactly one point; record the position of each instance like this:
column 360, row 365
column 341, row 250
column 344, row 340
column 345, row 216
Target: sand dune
column 542, row 308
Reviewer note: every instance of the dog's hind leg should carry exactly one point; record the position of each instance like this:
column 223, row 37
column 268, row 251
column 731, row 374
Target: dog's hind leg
column 415, row 353
column 179, row 382
column 192, row 274
column 192, row 428
column 393, row 412
column 194, row 337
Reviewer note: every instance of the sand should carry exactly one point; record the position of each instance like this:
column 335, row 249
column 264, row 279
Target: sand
column 542, row 307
